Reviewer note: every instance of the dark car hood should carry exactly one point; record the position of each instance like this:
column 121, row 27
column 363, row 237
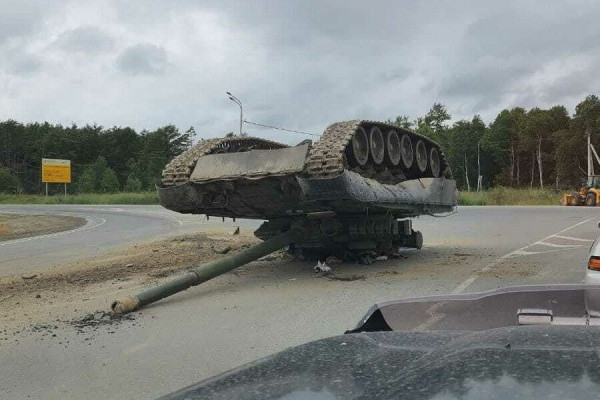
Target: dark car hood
column 507, row 362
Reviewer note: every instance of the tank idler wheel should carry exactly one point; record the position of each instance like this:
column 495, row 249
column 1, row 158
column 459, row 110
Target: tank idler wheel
column 359, row 148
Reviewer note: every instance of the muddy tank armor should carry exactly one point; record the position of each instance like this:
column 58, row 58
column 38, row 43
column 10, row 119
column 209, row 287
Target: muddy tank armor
column 372, row 176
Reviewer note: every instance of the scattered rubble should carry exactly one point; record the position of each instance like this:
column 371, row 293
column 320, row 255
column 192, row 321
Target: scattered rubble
column 322, row 268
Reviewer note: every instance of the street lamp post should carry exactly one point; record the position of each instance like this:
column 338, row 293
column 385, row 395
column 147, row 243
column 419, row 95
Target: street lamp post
column 239, row 103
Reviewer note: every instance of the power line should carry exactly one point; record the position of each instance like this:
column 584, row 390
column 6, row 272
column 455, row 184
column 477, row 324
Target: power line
column 280, row 129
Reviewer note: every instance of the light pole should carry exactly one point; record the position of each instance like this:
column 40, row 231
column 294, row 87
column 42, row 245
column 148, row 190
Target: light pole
column 239, row 103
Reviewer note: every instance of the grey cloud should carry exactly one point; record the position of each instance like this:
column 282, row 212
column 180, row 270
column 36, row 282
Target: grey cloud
column 85, row 39
column 571, row 85
column 21, row 17
column 304, row 64
column 143, row 59
column 23, row 64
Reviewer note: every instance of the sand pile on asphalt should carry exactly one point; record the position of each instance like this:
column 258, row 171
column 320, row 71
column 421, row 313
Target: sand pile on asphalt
column 64, row 293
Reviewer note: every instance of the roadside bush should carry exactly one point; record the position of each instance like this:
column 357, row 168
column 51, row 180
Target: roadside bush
column 8, row 182
column 109, row 183
column 133, row 184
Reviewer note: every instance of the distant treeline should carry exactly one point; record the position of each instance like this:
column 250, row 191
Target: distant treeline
column 102, row 160
column 520, row 148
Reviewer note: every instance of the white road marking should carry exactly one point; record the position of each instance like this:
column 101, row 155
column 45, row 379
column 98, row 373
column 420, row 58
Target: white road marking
column 573, row 238
column 558, row 245
column 523, row 253
column 92, row 222
column 432, row 311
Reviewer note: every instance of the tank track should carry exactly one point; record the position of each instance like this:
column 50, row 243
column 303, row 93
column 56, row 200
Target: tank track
column 327, row 157
column 180, row 168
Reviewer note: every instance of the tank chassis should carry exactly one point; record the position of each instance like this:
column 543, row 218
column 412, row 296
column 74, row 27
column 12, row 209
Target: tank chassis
column 352, row 194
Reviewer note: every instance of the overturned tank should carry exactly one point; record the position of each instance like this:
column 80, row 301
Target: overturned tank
column 351, row 194
column 371, row 177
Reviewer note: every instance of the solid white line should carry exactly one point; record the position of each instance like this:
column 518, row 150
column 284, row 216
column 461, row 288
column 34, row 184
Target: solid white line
column 573, row 238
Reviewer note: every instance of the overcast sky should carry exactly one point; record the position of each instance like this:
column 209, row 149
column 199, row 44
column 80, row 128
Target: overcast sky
column 296, row 64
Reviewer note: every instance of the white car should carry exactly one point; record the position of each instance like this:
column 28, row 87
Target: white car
column 592, row 277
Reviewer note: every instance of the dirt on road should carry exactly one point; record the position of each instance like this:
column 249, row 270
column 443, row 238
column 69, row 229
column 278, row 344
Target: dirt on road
column 64, row 292
column 17, row 226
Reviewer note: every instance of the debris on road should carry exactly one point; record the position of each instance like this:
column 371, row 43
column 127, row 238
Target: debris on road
column 349, row 278
column 97, row 318
column 30, row 276
column 236, row 231
column 222, row 249
column 322, row 268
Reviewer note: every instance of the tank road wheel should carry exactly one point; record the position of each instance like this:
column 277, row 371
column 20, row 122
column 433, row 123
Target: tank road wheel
column 406, row 149
column 590, row 199
column 359, row 149
column 434, row 162
column 392, row 149
column 376, row 145
column 421, row 151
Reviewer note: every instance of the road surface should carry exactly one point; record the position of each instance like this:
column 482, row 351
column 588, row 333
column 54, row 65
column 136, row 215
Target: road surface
column 270, row 306
column 107, row 227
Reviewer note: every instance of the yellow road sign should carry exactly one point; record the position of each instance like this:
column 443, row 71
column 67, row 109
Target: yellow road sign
column 56, row 171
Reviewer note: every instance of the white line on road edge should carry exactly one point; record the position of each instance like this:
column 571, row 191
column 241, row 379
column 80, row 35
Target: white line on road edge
column 432, row 311
column 92, row 222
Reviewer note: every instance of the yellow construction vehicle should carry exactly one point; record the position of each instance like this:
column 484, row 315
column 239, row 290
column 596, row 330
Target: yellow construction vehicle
column 588, row 194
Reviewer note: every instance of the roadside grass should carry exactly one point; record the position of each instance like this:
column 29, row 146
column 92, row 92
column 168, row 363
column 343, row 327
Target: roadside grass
column 499, row 196
column 506, row 196
column 149, row 197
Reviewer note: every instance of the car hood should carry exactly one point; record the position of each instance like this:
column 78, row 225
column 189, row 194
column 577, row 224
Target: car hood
column 424, row 362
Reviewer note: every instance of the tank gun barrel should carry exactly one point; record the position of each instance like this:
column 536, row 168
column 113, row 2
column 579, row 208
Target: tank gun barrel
column 205, row 272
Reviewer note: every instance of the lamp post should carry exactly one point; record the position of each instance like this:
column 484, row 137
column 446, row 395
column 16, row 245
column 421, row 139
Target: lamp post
column 239, row 103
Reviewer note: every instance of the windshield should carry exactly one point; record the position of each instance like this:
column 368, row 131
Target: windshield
column 188, row 187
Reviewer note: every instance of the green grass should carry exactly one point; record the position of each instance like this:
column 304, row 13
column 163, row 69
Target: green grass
column 499, row 196
column 505, row 196
column 87, row 198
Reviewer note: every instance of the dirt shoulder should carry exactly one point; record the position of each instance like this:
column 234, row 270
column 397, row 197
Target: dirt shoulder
column 16, row 226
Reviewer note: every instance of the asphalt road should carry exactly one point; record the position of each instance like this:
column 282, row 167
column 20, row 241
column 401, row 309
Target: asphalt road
column 107, row 227
column 269, row 306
